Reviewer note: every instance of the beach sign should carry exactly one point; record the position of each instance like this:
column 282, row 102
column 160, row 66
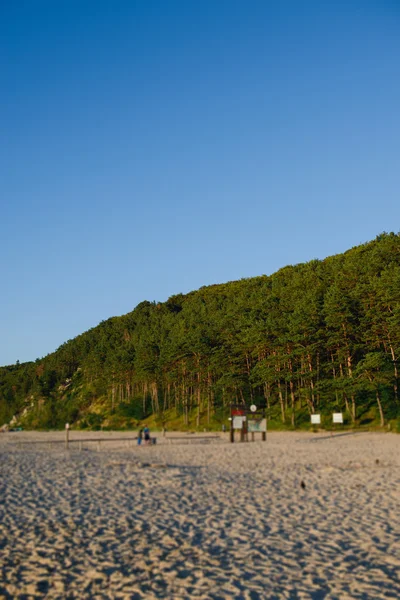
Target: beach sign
column 316, row 419
column 238, row 422
column 337, row 417
column 254, row 425
column 248, row 418
column 238, row 412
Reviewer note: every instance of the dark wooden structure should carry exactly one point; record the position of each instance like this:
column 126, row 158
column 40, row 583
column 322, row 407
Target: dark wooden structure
column 247, row 413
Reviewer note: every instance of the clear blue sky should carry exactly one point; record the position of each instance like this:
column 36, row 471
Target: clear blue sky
column 149, row 148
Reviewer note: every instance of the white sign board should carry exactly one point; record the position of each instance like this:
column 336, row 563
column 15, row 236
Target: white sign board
column 337, row 417
column 238, row 422
column 257, row 425
column 316, row 419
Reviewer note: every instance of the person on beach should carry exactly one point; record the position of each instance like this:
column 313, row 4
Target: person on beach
column 140, row 437
column 146, row 432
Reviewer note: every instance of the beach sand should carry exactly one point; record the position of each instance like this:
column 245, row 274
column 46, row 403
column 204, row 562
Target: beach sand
column 300, row 516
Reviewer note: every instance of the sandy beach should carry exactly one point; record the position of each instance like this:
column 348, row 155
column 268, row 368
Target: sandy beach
column 300, row 516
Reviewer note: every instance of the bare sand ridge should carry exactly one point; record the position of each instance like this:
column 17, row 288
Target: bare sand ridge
column 300, row 516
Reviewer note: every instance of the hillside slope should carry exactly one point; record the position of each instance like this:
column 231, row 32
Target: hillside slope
column 319, row 336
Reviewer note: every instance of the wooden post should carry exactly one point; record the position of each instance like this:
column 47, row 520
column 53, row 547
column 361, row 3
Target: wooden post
column 252, row 436
column 264, row 433
column 66, row 435
column 232, row 432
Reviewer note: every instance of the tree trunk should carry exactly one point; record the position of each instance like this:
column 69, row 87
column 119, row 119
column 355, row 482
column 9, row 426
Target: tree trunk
column 248, row 366
column 310, row 367
column 396, row 375
column 346, row 401
column 267, row 394
column 209, row 397
column 198, row 398
column 292, row 401
column 353, row 408
column 144, row 398
column 112, row 397
column 378, row 400
column 281, row 402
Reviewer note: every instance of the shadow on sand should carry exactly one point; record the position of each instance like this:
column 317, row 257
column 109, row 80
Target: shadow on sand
column 333, row 435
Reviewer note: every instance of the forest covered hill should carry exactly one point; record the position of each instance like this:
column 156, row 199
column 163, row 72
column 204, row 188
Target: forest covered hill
column 315, row 337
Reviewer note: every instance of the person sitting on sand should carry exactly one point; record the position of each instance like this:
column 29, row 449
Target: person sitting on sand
column 146, row 432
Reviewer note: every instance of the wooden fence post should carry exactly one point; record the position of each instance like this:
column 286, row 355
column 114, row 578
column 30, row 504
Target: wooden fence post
column 66, row 435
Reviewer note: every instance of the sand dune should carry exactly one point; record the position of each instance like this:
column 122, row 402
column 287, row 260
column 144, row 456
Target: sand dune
column 300, row 516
